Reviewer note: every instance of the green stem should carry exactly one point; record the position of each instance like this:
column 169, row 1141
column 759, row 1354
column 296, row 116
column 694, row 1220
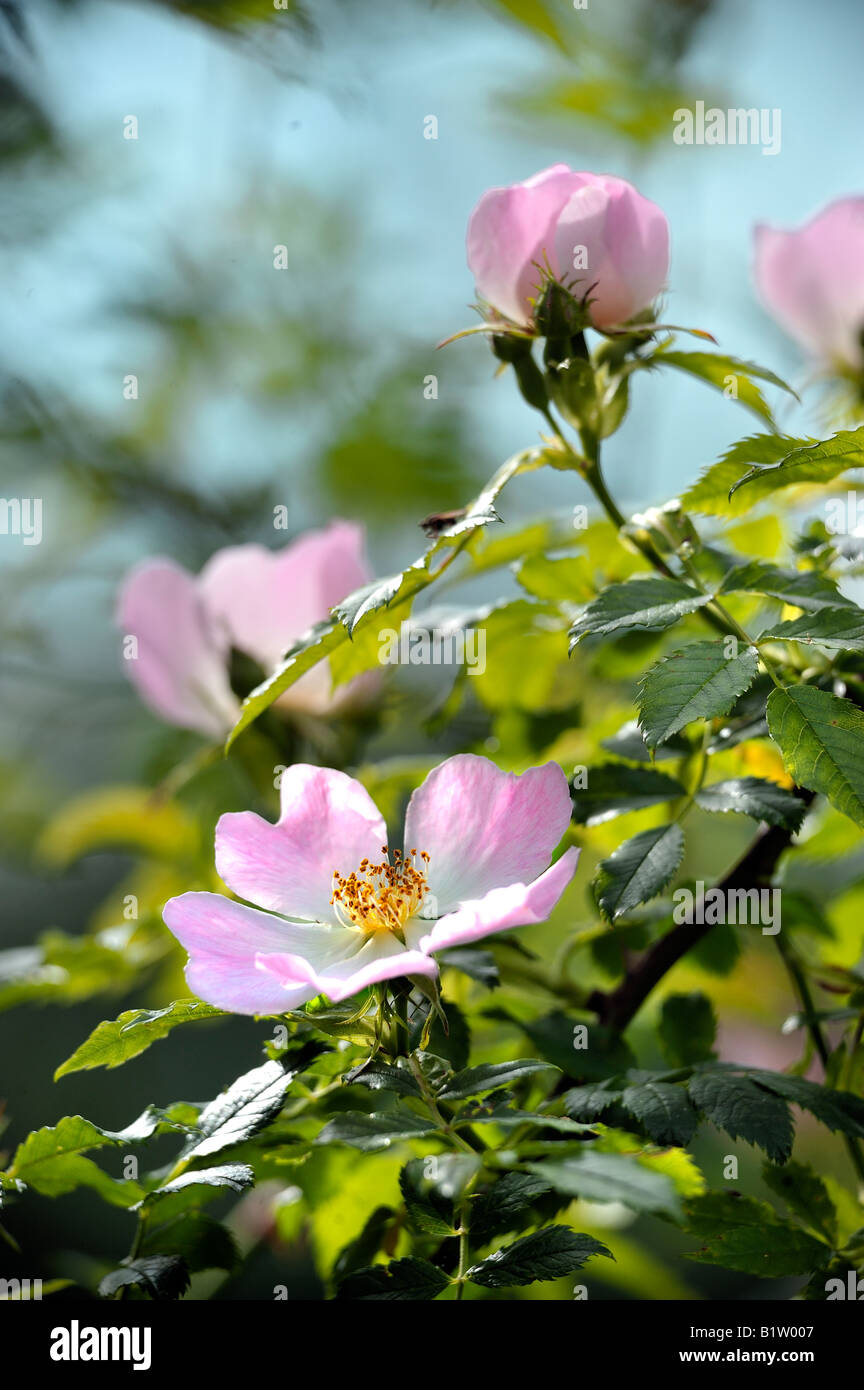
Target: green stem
column 817, row 1037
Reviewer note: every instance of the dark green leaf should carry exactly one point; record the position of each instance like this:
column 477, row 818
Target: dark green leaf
column 629, row 742
column 429, row 1187
column 237, row 1176
column 741, row 1233
column 744, row 1110
column 202, row 1242
column 163, row 1277
column 475, row 1081
column 698, row 682
column 381, row 1076
column 609, row 1177
column 663, row 1111
column 400, row 1280
column 547, row 1254
column 477, row 964
column 838, row 629
column 753, row 796
column 821, row 738
column 806, row 1195
column 499, row 1209
column 371, row 1132
column 358, row 1252
column 804, row 588
column 248, row 1105
column 639, row 869
column 589, row 1103
column 687, row 1028
column 637, row 603
column 614, row 789
column 837, row 1110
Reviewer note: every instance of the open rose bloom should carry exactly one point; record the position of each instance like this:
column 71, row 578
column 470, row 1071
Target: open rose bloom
column 335, row 911
column 812, row 281
column 591, row 229
column 255, row 600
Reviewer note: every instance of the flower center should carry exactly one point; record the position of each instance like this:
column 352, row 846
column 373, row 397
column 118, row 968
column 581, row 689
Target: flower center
column 381, row 897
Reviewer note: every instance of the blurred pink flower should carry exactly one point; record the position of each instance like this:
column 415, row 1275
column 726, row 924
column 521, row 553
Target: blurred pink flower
column 592, row 228
column 812, row 281
column 477, row 845
column 256, row 600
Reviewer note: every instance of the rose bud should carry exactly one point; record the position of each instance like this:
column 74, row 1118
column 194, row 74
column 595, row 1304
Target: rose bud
column 593, row 232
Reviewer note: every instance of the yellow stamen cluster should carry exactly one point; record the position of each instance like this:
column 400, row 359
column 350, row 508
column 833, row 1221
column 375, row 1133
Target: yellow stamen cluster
column 381, row 897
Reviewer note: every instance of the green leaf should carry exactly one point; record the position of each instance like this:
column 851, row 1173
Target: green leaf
column 112, row 1044
column 237, row 1176
column 614, row 789
column 821, row 737
column 476, row 1081
column 500, row 1208
column 745, row 1110
column 52, row 1161
column 663, row 1111
column 589, row 1103
column 741, row 1233
column 710, row 495
column 496, row 1112
column 400, row 1280
column 753, row 796
column 697, row 682
column 838, row 629
column 610, row 1177
column 555, row 1037
column 687, row 1028
column 358, row 1253
column 474, row 962
column 381, row 1076
column 629, row 742
column 838, row 1110
column 429, row 1188
column 716, row 368
column 639, row 869
column 164, row 1277
column 396, row 593
column 547, row 1254
column 804, row 588
column 202, row 1242
column 637, row 603
column 806, row 1195
column 247, row 1106
column 377, row 1131
column 812, row 463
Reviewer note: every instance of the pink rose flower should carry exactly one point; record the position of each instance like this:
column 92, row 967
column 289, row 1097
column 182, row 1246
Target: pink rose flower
column 339, row 913
column 247, row 597
column 812, row 281
column 594, row 229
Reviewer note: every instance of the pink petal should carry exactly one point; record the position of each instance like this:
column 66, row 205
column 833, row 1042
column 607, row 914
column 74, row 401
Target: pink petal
column 328, row 822
column 812, row 280
column 224, row 938
column 484, row 828
column 516, row 905
column 509, row 230
column 381, row 957
column 181, row 667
